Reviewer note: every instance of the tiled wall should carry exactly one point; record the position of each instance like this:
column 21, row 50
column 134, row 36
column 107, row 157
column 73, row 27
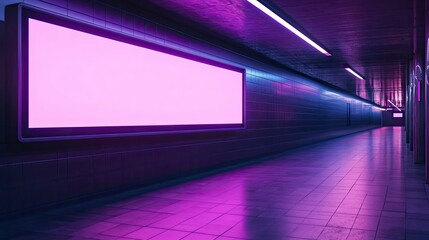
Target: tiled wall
column 284, row 110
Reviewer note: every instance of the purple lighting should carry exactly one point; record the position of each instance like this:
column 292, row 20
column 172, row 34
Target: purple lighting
column 78, row 79
column 398, row 115
column 394, row 105
column 350, row 70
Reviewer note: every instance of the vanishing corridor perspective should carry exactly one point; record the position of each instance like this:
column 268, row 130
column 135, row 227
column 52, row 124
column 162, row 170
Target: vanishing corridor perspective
column 214, row 119
column 361, row 186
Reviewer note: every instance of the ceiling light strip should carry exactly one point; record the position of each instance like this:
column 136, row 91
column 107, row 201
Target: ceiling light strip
column 379, row 108
column 287, row 25
column 394, row 105
column 354, row 73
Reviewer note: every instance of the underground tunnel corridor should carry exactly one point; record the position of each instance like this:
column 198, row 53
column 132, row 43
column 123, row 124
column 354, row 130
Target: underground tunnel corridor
column 360, row 186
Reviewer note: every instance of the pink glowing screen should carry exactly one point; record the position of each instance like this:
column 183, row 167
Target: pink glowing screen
column 78, row 79
column 398, row 115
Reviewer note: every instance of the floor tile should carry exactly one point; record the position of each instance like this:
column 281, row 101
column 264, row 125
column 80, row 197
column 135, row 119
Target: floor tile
column 333, row 233
column 145, row 233
column 370, row 189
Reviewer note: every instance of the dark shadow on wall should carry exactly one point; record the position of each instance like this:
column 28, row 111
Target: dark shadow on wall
column 2, row 82
column 389, row 120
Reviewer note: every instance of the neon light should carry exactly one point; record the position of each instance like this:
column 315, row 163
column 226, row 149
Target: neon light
column 379, row 108
column 287, row 25
column 78, row 79
column 354, row 73
column 394, row 105
column 398, row 115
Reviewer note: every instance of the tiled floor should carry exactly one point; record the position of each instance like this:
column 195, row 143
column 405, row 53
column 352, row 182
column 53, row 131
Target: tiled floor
column 362, row 186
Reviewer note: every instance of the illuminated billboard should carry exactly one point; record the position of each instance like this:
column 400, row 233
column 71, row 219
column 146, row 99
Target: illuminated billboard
column 83, row 81
column 398, row 115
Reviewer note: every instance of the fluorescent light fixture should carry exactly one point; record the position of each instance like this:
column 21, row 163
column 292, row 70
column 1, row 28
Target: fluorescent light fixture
column 350, row 70
column 379, row 108
column 287, row 25
column 394, row 105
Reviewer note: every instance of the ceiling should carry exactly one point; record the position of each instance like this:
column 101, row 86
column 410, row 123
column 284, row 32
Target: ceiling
column 373, row 37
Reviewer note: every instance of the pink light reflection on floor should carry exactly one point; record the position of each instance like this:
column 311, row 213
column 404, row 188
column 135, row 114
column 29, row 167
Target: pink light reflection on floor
column 360, row 186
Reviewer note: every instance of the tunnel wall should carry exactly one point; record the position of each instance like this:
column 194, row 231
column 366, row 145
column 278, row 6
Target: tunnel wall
column 389, row 120
column 284, row 110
